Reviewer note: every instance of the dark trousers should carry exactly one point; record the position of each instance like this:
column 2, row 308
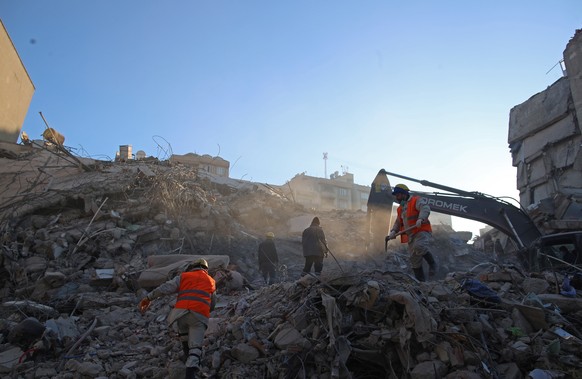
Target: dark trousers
column 269, row 273
column 316, row 262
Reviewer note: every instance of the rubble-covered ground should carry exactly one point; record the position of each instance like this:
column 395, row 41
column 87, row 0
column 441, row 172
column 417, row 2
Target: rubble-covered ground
column 80, row 241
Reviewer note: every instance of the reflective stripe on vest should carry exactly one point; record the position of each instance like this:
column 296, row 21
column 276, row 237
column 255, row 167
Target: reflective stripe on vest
column 190, row 295
column 411, row 217
column 196, row 288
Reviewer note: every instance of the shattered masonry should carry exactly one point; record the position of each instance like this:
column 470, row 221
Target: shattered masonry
column 80, row 246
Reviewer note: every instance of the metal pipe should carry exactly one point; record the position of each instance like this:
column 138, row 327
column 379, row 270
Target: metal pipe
column 512, row 229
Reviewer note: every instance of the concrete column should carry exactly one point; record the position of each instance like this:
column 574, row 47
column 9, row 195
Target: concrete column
column 573, row 62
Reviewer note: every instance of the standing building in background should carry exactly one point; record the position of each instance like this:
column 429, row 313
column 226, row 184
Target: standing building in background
column 337, row 192
column 16, row 89
column 206, row 163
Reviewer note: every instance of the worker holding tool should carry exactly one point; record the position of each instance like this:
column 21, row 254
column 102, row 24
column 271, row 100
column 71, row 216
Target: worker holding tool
column 268, row 258
column 314, row 247
column 413, row 226
column 196, row 299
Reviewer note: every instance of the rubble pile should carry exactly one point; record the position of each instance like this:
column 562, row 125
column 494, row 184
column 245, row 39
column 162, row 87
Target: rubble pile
column 385, row 324
column 78, row 236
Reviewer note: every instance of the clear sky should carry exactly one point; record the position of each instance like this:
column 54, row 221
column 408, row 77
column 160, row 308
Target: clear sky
column 420, row 88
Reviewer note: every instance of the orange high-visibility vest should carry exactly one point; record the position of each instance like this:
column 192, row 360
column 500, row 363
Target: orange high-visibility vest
column 196, row 287
column 411, row 218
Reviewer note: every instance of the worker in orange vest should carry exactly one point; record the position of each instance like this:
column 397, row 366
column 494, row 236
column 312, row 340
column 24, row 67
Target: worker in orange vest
column 414, row 227
column 196, row 299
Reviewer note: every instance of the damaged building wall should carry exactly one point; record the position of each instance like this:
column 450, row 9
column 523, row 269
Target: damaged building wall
column 337, row 192
column 16, row 90
column 545, row 141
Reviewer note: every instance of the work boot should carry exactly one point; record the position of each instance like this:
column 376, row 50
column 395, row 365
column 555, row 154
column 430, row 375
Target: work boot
column 192, row 372
column 419, row 274
column 431, row 264
column 186, row 351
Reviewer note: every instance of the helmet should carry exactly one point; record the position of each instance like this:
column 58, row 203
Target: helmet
column 270, row 235
column 401, row 188
column 198, row 263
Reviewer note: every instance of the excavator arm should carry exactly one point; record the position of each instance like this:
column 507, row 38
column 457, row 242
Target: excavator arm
column 491, row 211
column 477, row 206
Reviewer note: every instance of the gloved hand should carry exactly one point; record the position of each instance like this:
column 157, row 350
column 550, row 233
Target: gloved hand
column 390, row 236
column 418, row 223
column 144, row 304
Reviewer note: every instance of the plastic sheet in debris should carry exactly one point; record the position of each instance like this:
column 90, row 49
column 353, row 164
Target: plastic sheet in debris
column 565, row 335
column 543, row 374
column 104, row 273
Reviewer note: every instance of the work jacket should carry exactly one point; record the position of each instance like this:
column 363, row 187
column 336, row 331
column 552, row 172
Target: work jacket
column 410, row 218
column 268, row 254
column 313, row 241
column 195, row 292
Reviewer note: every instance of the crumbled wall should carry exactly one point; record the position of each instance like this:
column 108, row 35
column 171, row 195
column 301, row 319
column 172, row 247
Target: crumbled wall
column 545, row 141
column 573, row 61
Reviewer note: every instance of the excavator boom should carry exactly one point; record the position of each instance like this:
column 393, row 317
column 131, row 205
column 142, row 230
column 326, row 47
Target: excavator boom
column 491, row 211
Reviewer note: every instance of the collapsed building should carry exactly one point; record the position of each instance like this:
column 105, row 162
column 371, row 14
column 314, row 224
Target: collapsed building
column 545, row 138
column 81, row 239
column 545, row 141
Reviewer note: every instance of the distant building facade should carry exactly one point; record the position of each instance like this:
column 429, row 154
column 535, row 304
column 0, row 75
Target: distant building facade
column 213, row 165
column 337, row 192
column 16, row 89
column 125, row 153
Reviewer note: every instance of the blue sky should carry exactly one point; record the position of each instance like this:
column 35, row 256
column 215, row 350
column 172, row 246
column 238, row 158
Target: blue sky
column 420, row 88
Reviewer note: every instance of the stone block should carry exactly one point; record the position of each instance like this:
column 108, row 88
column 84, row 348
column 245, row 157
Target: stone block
column 9, row 359
column 288, row 337
column 509, row 371
column 428, row 370
column 546, row 139
column 500, row 276
column 244, row 353
column 535, row 285
column 566, row 304
column 539, row 110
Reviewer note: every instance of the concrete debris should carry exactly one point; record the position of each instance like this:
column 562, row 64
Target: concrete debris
column 545, row 139
column 81, row 248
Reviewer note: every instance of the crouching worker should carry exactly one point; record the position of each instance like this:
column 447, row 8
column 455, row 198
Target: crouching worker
column 196, row 299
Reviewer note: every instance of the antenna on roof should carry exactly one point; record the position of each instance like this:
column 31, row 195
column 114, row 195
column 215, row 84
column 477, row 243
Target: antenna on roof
column 325, row 165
